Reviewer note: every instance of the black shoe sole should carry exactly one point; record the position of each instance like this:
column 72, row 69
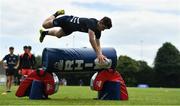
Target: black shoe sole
column 41, row 36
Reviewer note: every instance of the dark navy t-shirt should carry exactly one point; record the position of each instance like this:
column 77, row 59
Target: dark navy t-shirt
column 11, row 61
column 70, row 24
column 83, row 24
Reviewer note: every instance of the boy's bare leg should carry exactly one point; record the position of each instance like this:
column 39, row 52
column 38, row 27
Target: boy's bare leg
column 48, row 23
column 10, row 83
column 52, row 32
column 7, row 82
column 56, row 32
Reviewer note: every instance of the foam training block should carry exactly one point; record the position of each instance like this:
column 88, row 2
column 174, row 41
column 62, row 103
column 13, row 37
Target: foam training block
column 123, row 89
column 50, row 85
column 74, row 59
column 110, row 91
column 37, row 90
column 107, row 82
column 24, row 88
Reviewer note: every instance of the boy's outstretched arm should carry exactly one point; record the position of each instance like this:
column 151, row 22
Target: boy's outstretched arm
column 95, row 43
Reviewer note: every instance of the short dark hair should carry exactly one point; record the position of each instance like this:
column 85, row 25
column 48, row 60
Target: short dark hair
column 11, row 48
column 29, row 47
column 25, row 47
column 107, row 22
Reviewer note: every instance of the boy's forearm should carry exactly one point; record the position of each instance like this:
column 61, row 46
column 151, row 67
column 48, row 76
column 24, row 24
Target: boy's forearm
column 98, row 45
column 17, row 64
column 93, row 42
column 95, row 47
column 5, row 66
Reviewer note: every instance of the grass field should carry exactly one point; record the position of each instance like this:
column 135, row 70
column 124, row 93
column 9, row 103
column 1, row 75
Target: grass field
column 77, row 95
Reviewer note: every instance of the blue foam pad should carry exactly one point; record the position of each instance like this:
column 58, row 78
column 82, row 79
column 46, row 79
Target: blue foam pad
column 74, row 59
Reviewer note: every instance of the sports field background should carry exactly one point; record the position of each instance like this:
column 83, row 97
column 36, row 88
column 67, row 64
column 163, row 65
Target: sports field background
column 80, row 95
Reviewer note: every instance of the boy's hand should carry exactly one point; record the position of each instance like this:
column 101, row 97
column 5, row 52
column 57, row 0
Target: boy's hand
column 101, row 58
column 20, row 72
column 5, row 67
column 15, row 67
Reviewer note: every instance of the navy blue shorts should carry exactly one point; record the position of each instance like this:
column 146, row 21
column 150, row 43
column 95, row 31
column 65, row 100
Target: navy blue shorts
column 10, row 72
column 64, row 23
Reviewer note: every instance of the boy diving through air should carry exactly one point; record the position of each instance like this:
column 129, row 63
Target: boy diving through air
column 70, row 24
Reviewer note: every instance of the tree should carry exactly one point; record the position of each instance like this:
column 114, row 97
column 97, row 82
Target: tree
column 135, row 72
column 167, row 66
column 128, row 68
column 145, row 74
